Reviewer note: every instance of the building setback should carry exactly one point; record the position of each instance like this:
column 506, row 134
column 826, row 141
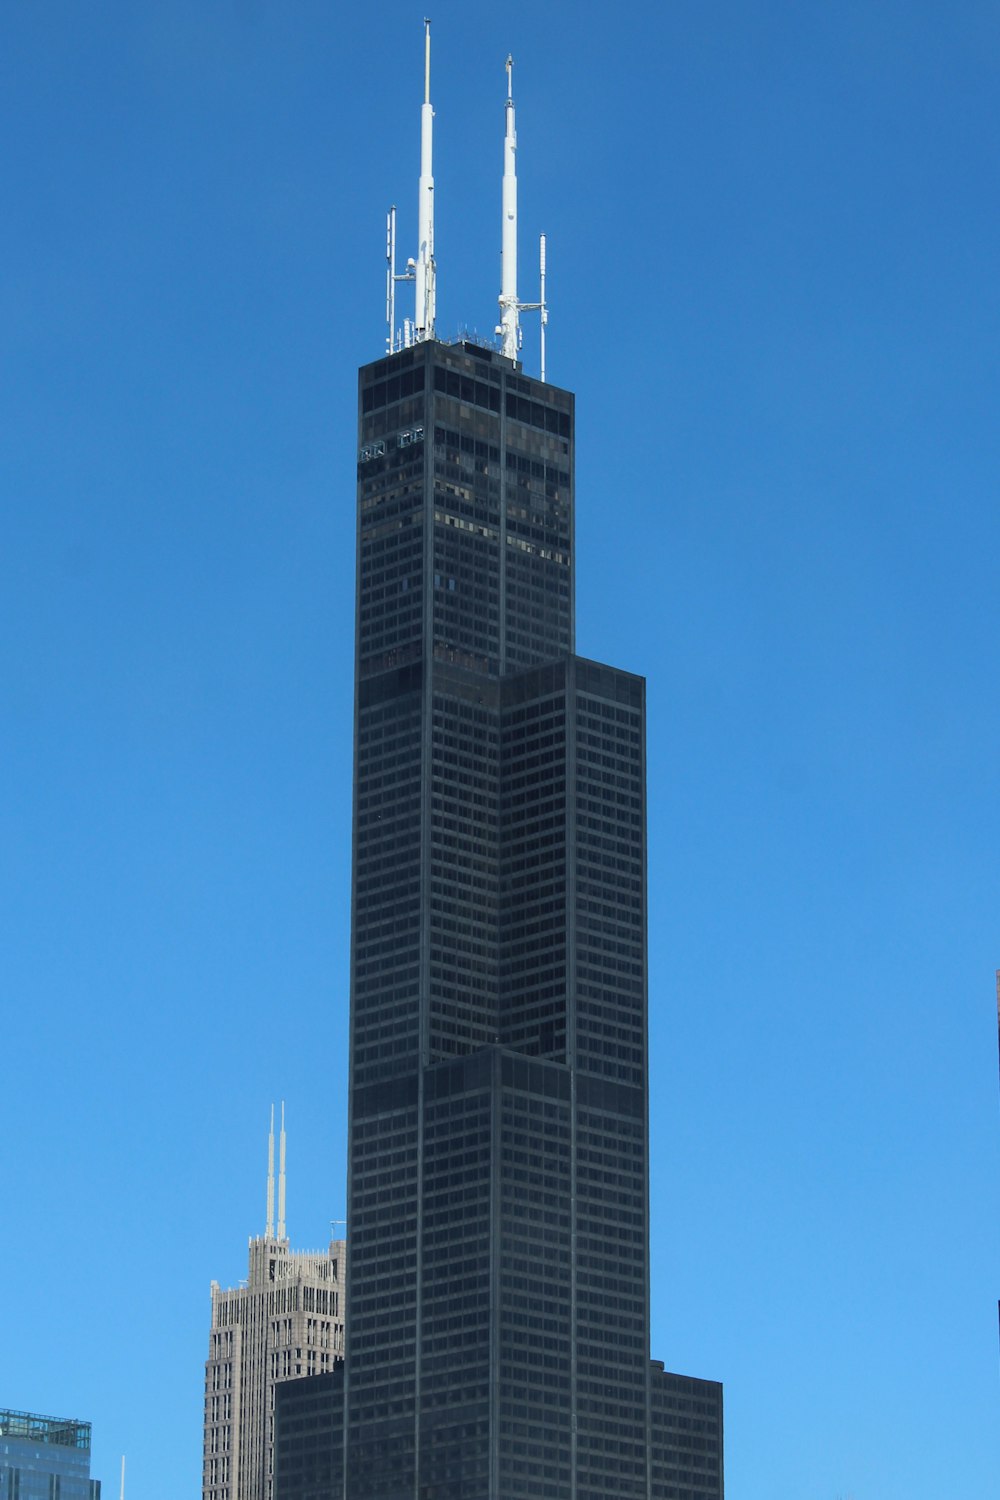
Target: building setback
column 285, row 1322
column 45, row 1458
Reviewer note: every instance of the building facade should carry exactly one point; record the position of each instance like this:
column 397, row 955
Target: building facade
column 308, row 1436
column 45, row 1458
column 284, row 1322
column 498, row 1290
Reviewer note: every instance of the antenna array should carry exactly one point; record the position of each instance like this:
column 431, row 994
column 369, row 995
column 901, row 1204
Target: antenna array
column 422, row 270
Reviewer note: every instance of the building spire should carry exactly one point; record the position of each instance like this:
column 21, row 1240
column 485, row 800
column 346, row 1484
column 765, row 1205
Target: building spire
column 281, row 1177
column 509, row 331
column 425, row 270
column 269, row 1231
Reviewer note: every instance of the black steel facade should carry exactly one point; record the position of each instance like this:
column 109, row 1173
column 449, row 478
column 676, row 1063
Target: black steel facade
column 308, row 1436
column 498, row 1279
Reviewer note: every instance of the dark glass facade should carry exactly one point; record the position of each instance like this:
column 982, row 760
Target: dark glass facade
column 687, row 1437
column 308, row 1436
column 498, row 1281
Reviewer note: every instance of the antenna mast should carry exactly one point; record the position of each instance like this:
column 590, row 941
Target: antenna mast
column 509, row 331
column 281, row 1177
column 509, row 328
column 390, row 277
column 422, row 271
column 541, row 305
column 426, row 299
column 270, row 1178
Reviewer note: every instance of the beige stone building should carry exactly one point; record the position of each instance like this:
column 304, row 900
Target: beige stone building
column 286, row 1320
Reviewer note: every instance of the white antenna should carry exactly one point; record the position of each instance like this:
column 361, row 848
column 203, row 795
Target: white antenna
column 270, row 1178
column 390, row 277
column 509, row 328
column 281, row 1177
column 422, row 271
column 542, row 305
column 509, row 331
column 426, row 299
column 393, row 340
column 123, row 1478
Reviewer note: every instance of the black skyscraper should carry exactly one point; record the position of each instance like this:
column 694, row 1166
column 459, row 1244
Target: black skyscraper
column 497, row 1329
column 498, row 1284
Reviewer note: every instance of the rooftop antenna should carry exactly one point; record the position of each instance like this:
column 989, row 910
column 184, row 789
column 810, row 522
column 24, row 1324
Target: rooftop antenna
column 422, row 271
column 270, row 1179
column 391, row 278
column 426, row 299
column 281, row 1177
column 509, row 331
column 509, row 328
column 542, row 304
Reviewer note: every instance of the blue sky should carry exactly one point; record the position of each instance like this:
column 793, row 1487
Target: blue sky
column 772, row 242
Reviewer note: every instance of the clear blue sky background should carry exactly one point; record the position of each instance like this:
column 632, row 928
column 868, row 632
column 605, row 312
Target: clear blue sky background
column 773, row 248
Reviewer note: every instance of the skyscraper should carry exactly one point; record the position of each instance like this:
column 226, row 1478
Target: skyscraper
column 44, row 1457
column 498, row 1289
column 284, row 1322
